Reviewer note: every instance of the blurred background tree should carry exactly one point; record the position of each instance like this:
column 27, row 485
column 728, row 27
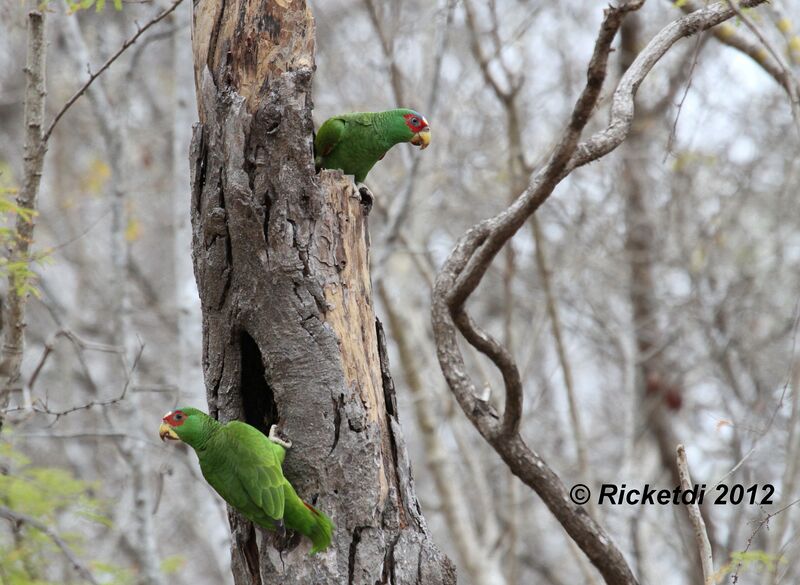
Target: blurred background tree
column 654, row 299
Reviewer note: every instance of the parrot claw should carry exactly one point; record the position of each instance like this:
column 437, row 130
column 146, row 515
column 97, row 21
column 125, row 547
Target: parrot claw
column 280, row 530
column 273, row 436
column 367, row 198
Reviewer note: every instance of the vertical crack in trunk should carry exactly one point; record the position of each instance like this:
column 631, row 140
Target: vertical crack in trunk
column 250, row 551
column 390, row 400
column 387, row 576
column 351, row 558
column 338, row 406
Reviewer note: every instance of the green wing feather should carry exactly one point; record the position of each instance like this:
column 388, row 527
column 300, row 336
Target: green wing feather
column 261, row 477
column 350, row 142
column 243, row 466
column 328, row 136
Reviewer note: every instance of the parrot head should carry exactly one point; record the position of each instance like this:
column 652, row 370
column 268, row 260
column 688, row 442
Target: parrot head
column 184, row 424
column 416, row 128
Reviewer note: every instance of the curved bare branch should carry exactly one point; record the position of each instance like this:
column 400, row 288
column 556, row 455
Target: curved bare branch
column 472, row 255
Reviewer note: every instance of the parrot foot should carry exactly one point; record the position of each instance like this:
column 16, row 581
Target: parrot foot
column 367, row 198
column 280, row 529
column 273, row 436
column 284, row 539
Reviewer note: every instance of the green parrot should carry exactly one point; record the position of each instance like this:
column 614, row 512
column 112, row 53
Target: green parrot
column 244, row 467
column 355, row 142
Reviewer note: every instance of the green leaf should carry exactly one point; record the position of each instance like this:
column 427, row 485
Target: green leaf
column 173, row 564
column 53, row 496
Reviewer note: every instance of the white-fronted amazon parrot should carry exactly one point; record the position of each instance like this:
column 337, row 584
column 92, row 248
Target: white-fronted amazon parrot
column 244, row 467
column 355, row 142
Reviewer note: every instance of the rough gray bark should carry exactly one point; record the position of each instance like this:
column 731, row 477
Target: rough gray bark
column 289, row 332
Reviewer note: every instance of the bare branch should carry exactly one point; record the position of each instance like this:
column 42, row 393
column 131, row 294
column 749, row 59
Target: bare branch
column 80, row 345
column 458, row 278
column 673, row 132
column 727, row 35
column 93, row 76
column 387, row 46
column 73, row 559
column 472, row 255
column 696, row 518
column 789, row 81
column 43, row 408
column 504, row 94
column 82, row 436
column 622, row 106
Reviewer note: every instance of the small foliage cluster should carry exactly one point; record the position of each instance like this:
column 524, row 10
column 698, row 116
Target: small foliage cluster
column 18, row 269
column 99, row 5
column 53, row 497
column 758, row 561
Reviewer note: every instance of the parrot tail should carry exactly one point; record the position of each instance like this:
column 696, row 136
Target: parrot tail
column 321, row 530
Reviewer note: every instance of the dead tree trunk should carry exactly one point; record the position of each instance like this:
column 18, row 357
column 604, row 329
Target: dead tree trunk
column 289, row 332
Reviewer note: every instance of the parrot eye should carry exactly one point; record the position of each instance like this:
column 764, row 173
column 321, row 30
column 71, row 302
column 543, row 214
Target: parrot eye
column 415, row 121
column 178, row 416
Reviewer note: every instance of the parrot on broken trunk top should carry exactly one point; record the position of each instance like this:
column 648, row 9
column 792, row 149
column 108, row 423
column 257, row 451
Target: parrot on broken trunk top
column 355, row 142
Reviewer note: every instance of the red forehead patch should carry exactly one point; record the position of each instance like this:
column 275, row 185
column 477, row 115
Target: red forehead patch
column 175, row 418
column 415, row 121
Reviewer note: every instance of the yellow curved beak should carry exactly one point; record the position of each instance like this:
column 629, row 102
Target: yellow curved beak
column 165, row 432
column 422, row 138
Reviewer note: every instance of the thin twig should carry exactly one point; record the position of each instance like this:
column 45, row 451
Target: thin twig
column 73, row 559
column 671, row 139
column 398, row 211
column 93, row 76
column 789, row 81
column 79, row 343
column 561, row 351
column 81, row 436
column 42, row 408
column 387, row 46
column 728, row 35
column 763, row 522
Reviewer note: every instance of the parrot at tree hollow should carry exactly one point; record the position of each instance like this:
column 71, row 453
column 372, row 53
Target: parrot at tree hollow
column 244, row 467
column 355, row 142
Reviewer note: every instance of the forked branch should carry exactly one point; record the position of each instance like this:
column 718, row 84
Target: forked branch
column 472, row 255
